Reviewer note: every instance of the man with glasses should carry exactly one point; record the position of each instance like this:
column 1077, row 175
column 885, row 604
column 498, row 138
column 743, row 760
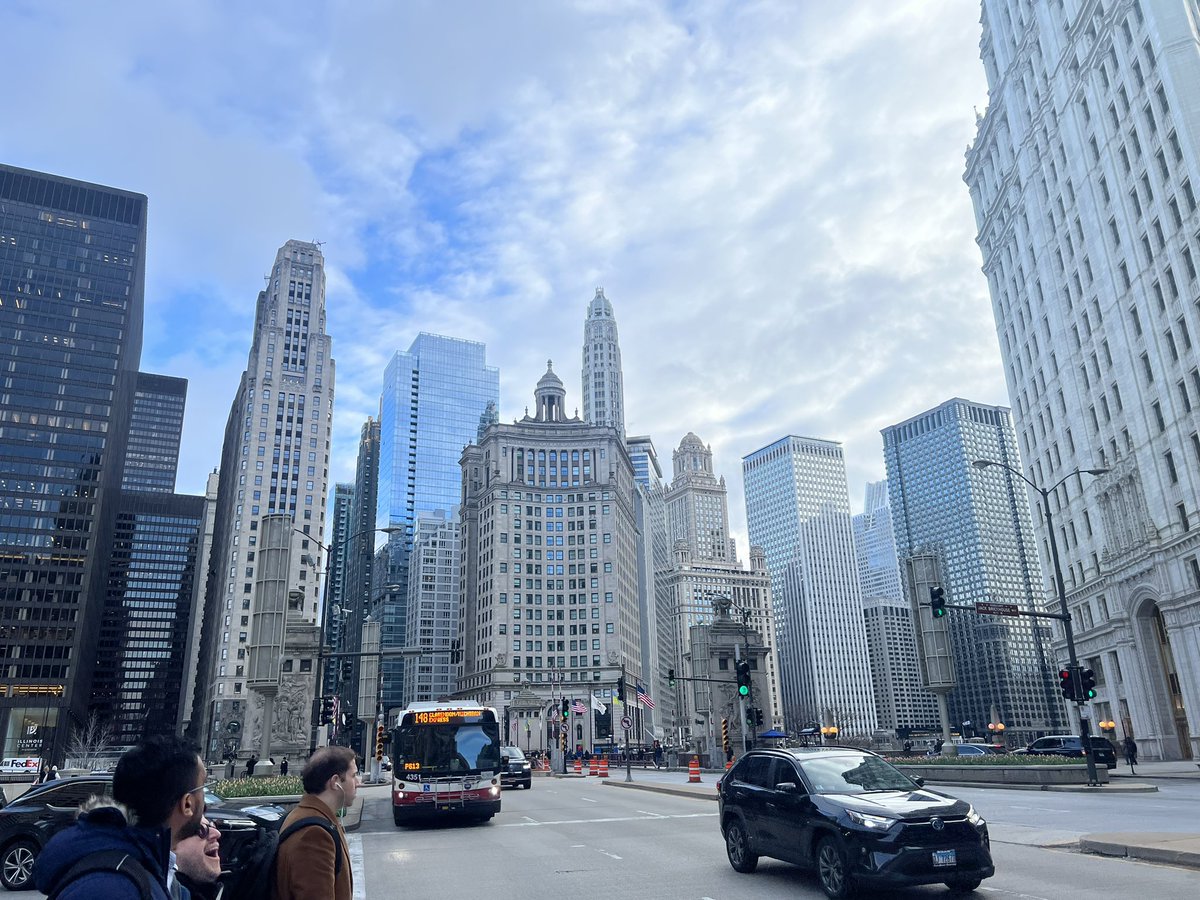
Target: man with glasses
column 198, row 862
column 122, row 847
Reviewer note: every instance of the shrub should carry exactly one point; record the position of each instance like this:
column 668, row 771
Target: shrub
column 276, row 786
column 1008, row 759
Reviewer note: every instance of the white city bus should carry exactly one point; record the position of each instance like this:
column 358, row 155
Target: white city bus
column 445, row 762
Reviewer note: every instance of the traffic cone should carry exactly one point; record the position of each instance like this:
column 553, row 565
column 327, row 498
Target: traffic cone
column 594, row 769
column 729, row 765
column 694, row 770
column 578, row 766
column 604, row 767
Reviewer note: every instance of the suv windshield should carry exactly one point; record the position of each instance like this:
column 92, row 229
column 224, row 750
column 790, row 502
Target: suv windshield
column 853, row 775
column 513, row 753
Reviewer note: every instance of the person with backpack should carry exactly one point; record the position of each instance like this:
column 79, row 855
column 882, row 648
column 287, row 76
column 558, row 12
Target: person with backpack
column 310, row 863
column 121, row 846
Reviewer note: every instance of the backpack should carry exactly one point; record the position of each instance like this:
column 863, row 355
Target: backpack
column 256, row 877
column 105, row 861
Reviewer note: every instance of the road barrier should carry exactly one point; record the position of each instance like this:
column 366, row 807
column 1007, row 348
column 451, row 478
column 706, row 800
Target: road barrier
column 694, row 770
column 604, row 767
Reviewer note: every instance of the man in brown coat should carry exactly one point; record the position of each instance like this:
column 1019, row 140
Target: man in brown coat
column 306, row 863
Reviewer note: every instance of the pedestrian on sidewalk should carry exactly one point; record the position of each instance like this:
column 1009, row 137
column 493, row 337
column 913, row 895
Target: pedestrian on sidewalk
column 307, row 865
column 1130, row 747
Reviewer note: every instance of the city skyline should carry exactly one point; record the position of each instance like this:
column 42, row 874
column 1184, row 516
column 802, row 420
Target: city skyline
column 415, row 191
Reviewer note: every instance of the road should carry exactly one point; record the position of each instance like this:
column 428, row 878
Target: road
column 567, row 836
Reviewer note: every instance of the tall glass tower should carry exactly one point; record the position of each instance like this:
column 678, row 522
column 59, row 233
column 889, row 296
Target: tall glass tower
column 155, row 431
column 436, row 396
column 1084, row 174
column 979, row 528
column 798, row 511
column 72, row 264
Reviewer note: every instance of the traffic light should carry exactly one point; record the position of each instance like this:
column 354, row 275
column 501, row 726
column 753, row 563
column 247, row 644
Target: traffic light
column 750, row 718
column 1066, row 683
column 1087, row 685
column 743, row 677
column 758, row 718
column 671, row 677
column 566, row 707
column 378, row 743
column 328, row 713
column 937, row 601
column 725, row 735
column 621, row 688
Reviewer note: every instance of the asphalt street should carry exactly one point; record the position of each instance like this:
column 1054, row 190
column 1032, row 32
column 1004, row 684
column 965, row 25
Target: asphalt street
column 579, row 837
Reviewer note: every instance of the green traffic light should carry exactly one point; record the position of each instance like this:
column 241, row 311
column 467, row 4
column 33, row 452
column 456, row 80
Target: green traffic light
column 744, row 690
column 938, row 613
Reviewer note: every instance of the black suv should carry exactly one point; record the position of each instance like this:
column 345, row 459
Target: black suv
column 515, row 770
column 853, row 817
column 1071, row 745
column 28, row 822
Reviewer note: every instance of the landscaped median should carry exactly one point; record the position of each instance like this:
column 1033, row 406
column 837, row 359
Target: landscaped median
column 1036, row 771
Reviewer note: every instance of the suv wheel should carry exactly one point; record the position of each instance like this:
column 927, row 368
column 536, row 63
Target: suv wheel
column 737, row 848
column 16, row 865
column 963, row 885
column 833, row 868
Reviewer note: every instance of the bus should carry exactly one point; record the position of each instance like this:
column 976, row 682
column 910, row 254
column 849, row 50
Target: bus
column 445, row 762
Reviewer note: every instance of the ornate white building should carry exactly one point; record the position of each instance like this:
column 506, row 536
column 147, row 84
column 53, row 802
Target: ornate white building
column 1084, row 175
column 603, row 384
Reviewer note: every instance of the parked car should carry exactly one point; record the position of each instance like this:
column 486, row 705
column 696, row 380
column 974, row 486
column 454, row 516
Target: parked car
column 515, row 770
column 853, row 817
column 1071, row 745
column 969, row 750
column 28, row 822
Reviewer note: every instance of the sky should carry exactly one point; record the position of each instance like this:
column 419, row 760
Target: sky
column 770, row 194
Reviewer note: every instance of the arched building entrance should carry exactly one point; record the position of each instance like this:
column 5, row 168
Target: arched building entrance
column 1164, row 685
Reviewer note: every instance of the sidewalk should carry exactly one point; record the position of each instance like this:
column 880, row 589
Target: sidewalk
column 1178, row 849
column 1181, row 769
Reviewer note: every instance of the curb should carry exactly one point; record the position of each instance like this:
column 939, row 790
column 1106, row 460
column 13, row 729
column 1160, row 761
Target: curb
column 1163, row 853
column 1110, row 788
column 679, row 791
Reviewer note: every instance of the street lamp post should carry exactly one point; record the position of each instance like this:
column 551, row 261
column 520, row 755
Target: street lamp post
column 1064, row 614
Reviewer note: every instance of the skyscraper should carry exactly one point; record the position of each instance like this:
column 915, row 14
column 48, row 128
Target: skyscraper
column 549, row 591
column 340, row 531
column 978, row 527
column 901, row 702
column 71, row 292
column 697, row 503
column 798, row 511
column 1084, row 174
column 436, row 397
column 603, row 383
column 274, row 460
column 155, row 431
column 432, row 607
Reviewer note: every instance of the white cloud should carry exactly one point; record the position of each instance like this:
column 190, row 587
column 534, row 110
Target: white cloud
column 770, row 194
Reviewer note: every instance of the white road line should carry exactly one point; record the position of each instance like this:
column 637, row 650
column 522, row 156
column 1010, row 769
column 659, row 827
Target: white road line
column 609, row 855
column 588, row 799
column 354, row 842
column 653, row 815
column 530, row 819
column 610, row 819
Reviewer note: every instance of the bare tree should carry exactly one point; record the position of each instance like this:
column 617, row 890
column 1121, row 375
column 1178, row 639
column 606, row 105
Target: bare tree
column 91, row 742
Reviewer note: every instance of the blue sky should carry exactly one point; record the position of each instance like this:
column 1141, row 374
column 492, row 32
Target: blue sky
column 770, row 194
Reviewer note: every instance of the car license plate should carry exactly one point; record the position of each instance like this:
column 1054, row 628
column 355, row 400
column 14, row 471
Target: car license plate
column 942, row 858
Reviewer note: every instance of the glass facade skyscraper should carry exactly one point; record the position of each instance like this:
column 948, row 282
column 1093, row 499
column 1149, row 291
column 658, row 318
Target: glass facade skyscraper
column 72, row 264
column 798, row 511
column 978, row 526
column 155, row 430
column 436, row 398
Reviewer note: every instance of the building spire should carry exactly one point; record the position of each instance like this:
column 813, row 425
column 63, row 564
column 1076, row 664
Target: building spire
column 603, row 382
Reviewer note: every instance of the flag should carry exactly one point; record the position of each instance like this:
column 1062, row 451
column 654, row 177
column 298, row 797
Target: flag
column 577, row 707
column 644, row 698
column 597, row 705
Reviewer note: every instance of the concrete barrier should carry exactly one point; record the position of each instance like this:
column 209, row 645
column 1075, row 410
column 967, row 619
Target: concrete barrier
column 1068, row 774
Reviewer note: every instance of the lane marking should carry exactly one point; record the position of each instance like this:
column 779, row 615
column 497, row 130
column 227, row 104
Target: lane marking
column 531, row 819
column 357, row 868
column 653, row 815
column 608, row 819
column 588, row 799
column 606, row 853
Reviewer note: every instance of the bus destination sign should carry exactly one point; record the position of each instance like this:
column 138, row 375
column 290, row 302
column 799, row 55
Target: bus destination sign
column 447, row 717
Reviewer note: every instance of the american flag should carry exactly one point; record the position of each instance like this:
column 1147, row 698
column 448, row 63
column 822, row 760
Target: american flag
column 644, row 698
column 578, row 707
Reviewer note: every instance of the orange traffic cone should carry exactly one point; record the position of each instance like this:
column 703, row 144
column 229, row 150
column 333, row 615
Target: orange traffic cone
column 604, row 767
column 729, row 765
column 594, row 769
column 578, row 766
column 694, row 770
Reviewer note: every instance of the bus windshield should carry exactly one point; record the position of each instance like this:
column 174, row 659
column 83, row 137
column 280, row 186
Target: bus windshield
column 447, row 748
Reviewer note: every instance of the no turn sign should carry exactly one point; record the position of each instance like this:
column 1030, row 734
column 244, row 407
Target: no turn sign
column 626, row 722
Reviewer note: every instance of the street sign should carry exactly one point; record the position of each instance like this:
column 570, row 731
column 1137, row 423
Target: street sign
column 626, row 722
column 988, row 608
column 564, row 727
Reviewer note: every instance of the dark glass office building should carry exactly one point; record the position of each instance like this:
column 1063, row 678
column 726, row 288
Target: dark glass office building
column 149, row 603
column 155, row 430
column 72, row 266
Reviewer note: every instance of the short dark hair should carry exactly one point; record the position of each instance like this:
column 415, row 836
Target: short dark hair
column 323, row 765
column 152, row 776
